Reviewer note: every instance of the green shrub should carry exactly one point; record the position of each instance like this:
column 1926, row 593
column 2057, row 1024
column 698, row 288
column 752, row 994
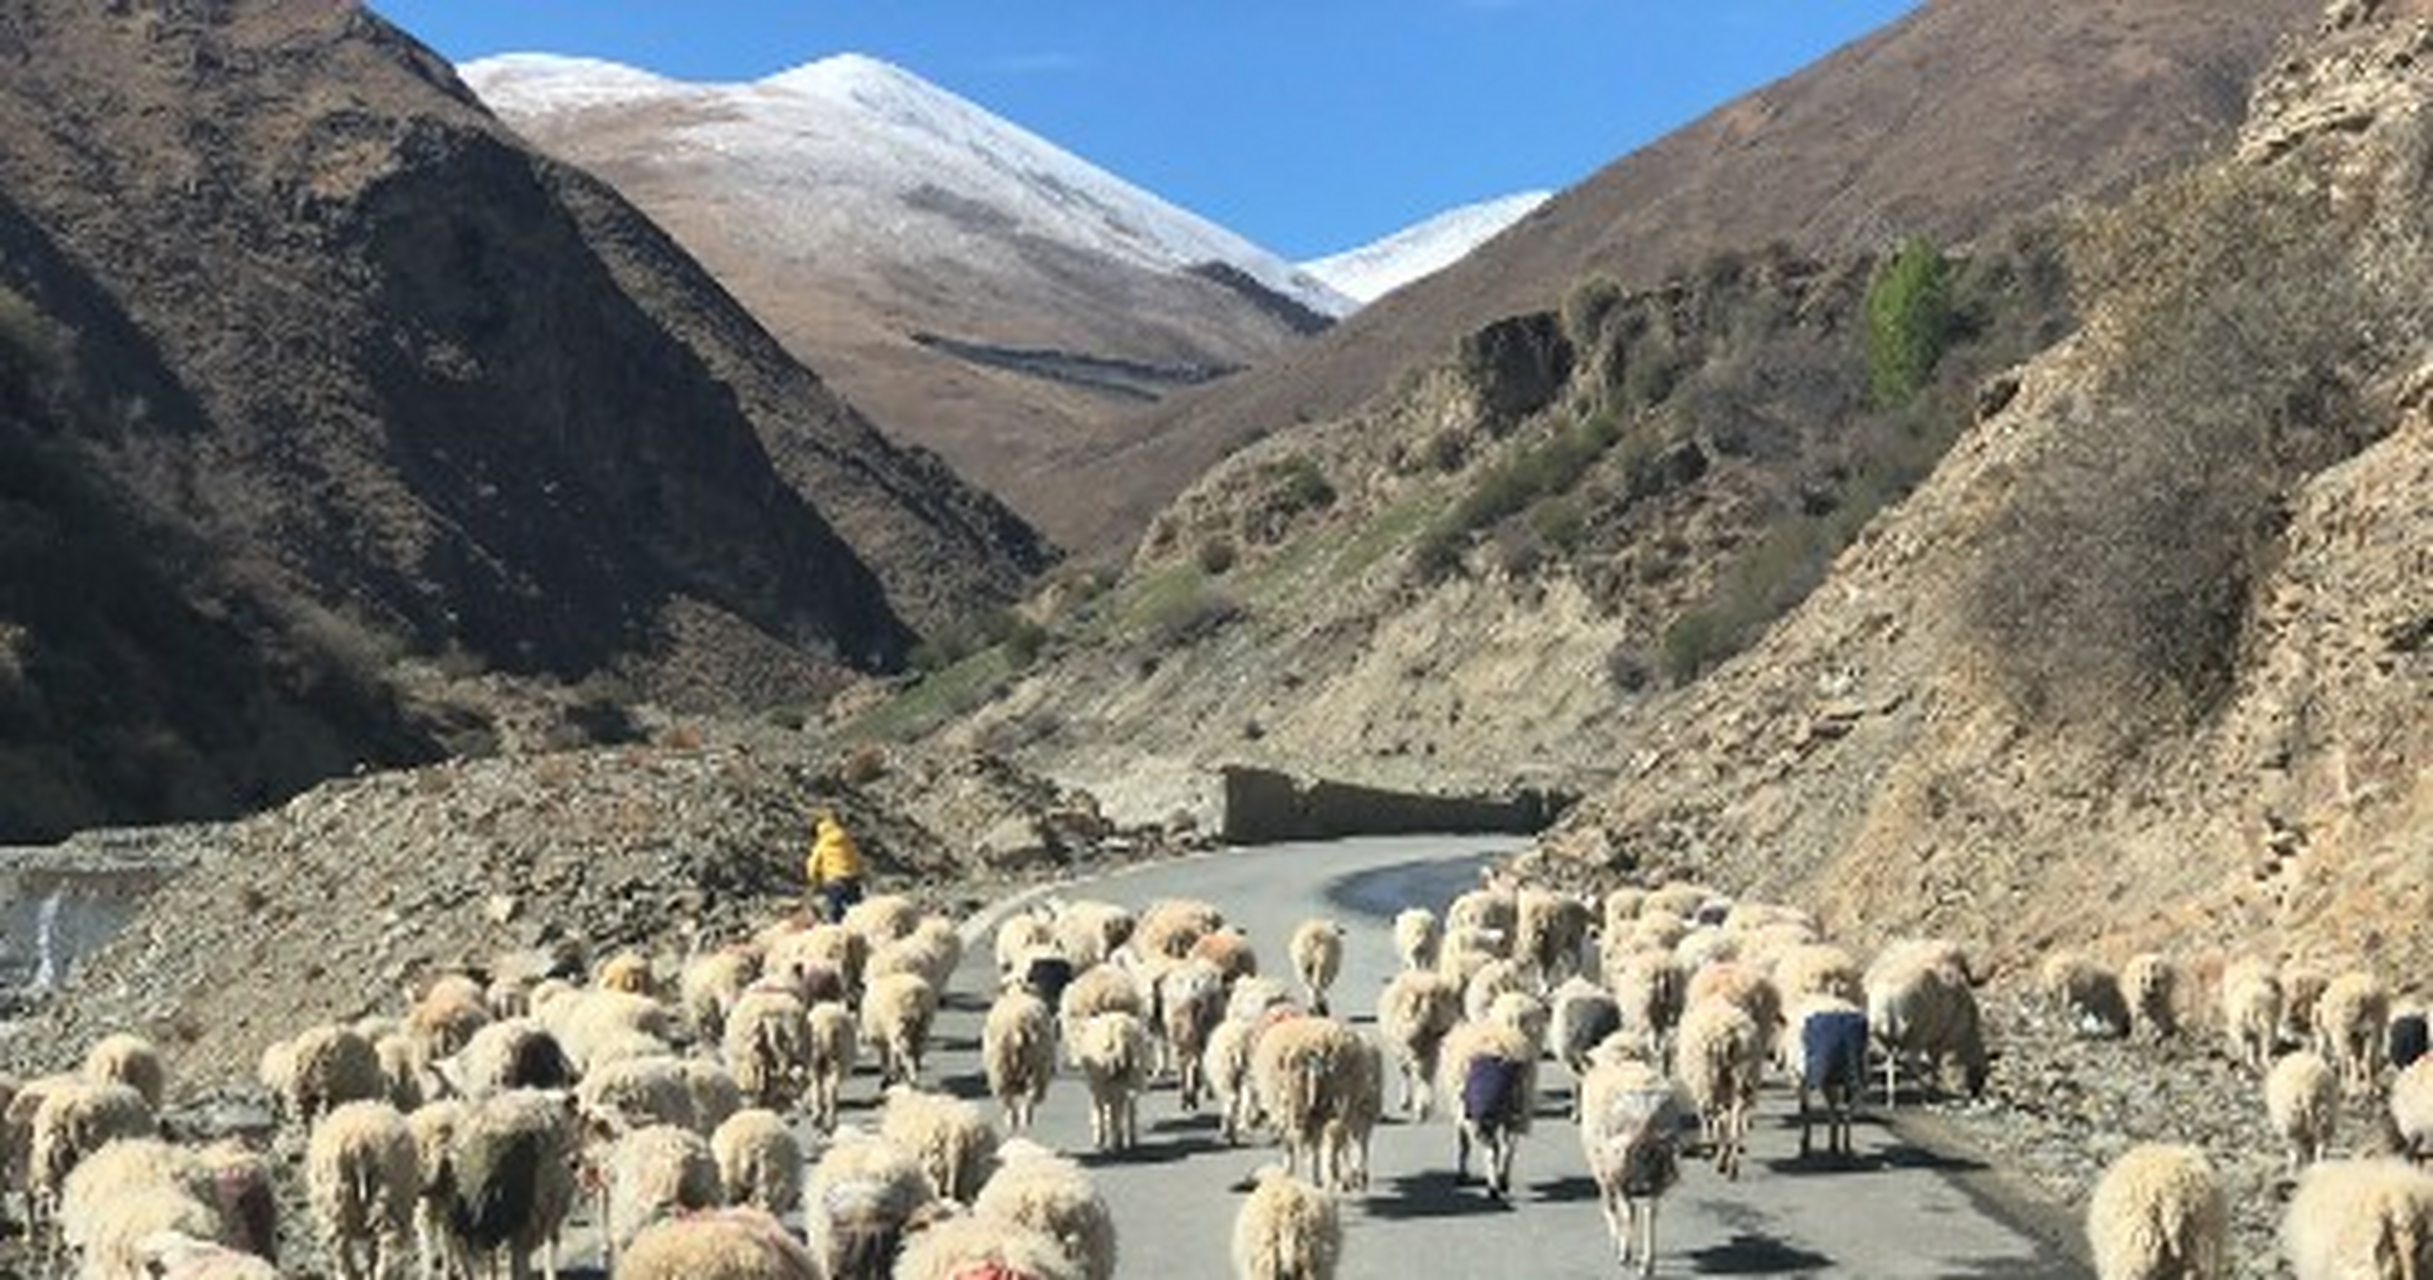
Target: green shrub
column 1590, row 303
column 1908, row 322
column 1217, row 555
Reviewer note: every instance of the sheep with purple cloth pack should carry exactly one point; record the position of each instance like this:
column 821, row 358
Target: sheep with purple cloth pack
column 1829, row 1060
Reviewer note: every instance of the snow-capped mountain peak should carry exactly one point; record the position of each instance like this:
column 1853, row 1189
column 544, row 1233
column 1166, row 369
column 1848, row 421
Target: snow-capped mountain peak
column 1374, row 270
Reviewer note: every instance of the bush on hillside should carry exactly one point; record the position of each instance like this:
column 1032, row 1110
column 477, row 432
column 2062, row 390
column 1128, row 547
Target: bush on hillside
column 1908, row 322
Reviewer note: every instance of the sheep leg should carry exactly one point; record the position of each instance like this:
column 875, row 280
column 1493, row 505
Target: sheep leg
column 1805, row 1119
column 1646, row 1213
column 1620, row 1216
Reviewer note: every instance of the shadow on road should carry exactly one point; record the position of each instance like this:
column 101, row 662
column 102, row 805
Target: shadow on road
column 1569, row 1190
column 1436, row 1193
column 1160, row 1152
column 1755, row 1255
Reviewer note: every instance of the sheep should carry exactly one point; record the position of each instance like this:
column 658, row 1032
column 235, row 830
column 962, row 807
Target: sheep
column 1524, row 1013
column 1087, row 932
column 1018, row 1054
column 1227, row 1066
column 1416, row 938
column 927, row 954
column 1919, row 1002
column 1190, row 1001
column 236, row 1182
column 766, row 1045
column 1705, row 946
column 1648, row 987
column 2158, row 1210
column 1630, row 1127
column 1229, row 949
column 1678, row 898
column 1656, row 931
column 709, row 985
column 1019, row 937
column 2303, row 983
column 326, row 1066
column 896, row 1014
column 1170, row 927
column 963, row 1247
column 506, row 1179
column 1491, row 908
column 128, row 1059
column 175, row 1255
column 444, row 1019
column 822, row 947
column 2349, row 1023
column 1463, row 952
column 634, row 1093
column 1827, row 1051
column 1492, row 1070
column 1112, row 1050
column 124, row 1191
column 509, row 1053
column 715, row 1094
column 1286, row 1230
column 72, row 1121
column 2251, row 1012
column 2360, row 1218
column 722, row 1244
column 363, row 1175
column 760, row 1161
column 434, row 1125
column 1048, row 1193
column 1316, row 950
column 1253, row 998
column 834, row 1046
column 1719, row 1056
column 2085, row 994
column 1493, row 979
column 1748, row 987
column 1818, row 969
column 2302, row 1098
column 1105, row 989
column 2411, row 1108
column 1619, row 910
column 862, row 1192
column 1414, row 1012
column 655, row 1172
column 2406, row 1042
column 1307, row 1071
column 948, row 1135
column 882, row 918
column 1549, row 931
column 628, row 972
column 598, row 1027
column 2150, row 983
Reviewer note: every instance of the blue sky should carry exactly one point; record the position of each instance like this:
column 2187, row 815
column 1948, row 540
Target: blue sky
column 1309, row 126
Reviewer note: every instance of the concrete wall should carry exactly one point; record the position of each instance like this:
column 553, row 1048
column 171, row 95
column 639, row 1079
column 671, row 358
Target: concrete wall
column 1263, row 806
column 58, row 903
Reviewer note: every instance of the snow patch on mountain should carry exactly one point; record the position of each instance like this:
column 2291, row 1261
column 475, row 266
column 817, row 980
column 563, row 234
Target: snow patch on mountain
column 850, row 146
column 1375, row 270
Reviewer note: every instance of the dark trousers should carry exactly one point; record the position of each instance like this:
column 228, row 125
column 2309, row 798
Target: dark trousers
column 836, row 895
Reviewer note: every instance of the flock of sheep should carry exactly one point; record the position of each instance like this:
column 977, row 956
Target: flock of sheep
column 469, row 1127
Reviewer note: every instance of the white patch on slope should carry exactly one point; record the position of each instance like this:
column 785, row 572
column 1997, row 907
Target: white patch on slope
column 850, row 146
column 1375, row 270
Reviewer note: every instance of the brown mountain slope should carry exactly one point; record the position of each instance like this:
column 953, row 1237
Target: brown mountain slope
column 1944, row 123
column 2146, row 663
column 372, row 379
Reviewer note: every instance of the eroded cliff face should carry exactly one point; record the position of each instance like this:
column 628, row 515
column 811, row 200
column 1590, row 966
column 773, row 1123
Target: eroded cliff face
column 1905, row 762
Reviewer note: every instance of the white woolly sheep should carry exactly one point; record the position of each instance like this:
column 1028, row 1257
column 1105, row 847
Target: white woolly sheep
column 128, row 1059
column 1619, row 911
column 1287, row 1230
column 1655, row 931
column 1416, row 937
column 1704, row 946
column 1524, row 1013
column 2159, row 1210
column 767, row 1048
column 1465, row 951
column 1919, row 1003
column 863, row 1191
column 1019, row 937
column 1550, row 929
column 822, row 949
column 635, row 1093
column 1190, row 1001
column 629, row 972
column 1631, row 1119
column 1113, row 1052
column 952, row 1140
column 1253, row 998
column 2349, row 1024
column 897, row 1011
column 1089, row 931
column 882, row 918
column 2150, row 983
column 967, row 1247
column 1649, row 986
column 1226, row 1064
column 445, row 1018
column 124, row 1191
column 925, row 953
column 1414, row 1012
column 1316, row 949
column 1491, row 1069
column 1105, row 989
column 2302, row 1098
column 1748, row 987
column 510, row 1053
column 1818, row 969
column 1680, row 899
column 597, row 1027
column 2251, row 1012
column 2411, row 1108
column 1827, row 1056
column 74, row 1119
column 175, row 1255
column 1229, row 949
column 760, row 1161
column 656, row 1172
column 710, row 984
column 1489, row 908
column 2354, row 1218
column 1048, row 1193
column 507, row 1180
column 1170, row 927
column 1309, row 1072
column 835, row 1044
column 1493, row 979
column 2302, row 982
column 434, row 1125
column 363, row 1175
column 2084, row 994
column 1018, row 1054
column 1718, row 1058
column 722, row 1244
column 327, row 1066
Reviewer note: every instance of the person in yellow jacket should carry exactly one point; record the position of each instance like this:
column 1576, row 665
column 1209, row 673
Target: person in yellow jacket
column 834, row 867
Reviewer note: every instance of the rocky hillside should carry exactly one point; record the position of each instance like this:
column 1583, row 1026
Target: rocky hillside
column 345, row 371
column 978, row 290
column 1946, row 123
column 2145, row 663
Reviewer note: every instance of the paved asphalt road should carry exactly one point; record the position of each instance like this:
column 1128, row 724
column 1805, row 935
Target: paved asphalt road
column 1895, row 1210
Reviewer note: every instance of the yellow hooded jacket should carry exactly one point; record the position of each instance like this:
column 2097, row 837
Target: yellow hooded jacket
column 833, row 856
